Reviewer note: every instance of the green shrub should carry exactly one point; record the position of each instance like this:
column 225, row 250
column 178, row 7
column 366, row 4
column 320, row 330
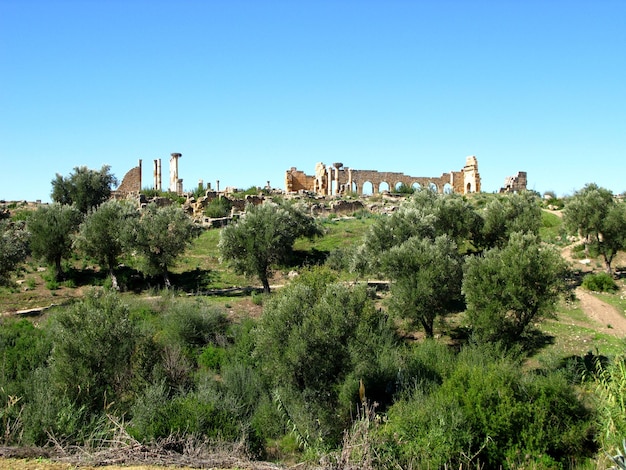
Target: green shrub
column 340, row 259
column 257, row 298
column 191, row 327
column 93, row 346
column 211, row 357
column 609, row 383
column 23, row 349
column 217, row 208
column 203, row 414
column 599, row 282
column 314, row 342
column 488, row 412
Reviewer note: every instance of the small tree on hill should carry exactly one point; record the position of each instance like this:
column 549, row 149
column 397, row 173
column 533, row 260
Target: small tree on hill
column 13, row 248
column 84, row 188
column 160, row 235
column 104, row 233
column 594, row 214
column 51, row 228
column 425, row 279
column 509, row 213
column 425, row 215
column 507, row 289
column 264, row 238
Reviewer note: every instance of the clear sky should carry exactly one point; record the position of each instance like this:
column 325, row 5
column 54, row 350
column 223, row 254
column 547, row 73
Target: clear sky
column 247, row 89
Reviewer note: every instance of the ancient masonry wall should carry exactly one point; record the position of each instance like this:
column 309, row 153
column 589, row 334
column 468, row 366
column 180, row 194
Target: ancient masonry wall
column 131, row 183
column 298, row 181
column 337, row 179
column 515, row 184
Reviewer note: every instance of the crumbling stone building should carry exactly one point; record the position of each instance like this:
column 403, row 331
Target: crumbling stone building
column 131, row 183
column 515, row 184
column 337, row 179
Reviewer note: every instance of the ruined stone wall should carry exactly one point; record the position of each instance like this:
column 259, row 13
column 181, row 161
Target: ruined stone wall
column 296, row 180
column 515, row 184
column 336, row 179
column 471, row 177
column 131, row 183
column 377, row 178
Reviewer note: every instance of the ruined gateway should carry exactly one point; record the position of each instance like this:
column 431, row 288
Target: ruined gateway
column 337, row 179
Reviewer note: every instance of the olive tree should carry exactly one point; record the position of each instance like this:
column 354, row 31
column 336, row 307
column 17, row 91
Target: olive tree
column 84, row 188
column 425, row 279
column 51, row 229
column 13, row 248
column 425, row 215
column 316, row 339
column 507, row 289
column 509, row 213
column 263, row 239
column 93, row 345
column 161, row 234
column 594, row 214
column 104, row 234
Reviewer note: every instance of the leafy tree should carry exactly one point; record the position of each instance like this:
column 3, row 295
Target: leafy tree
column 51, row 228
column 314, row 338
column 105, row 232
column 84, row 187
column 93, row 345
column 161, row 235
column 426, row 279
column 425, row 215
column 596, row 216
column 263, row 238
column 509, row 213
column 507, row 289
column 13, row 248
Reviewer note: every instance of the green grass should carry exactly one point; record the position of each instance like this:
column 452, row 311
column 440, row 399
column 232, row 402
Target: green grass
column 574, row 334
column 339, row 233
column 551, row 229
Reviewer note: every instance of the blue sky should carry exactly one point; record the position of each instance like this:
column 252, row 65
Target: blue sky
column 247, row 89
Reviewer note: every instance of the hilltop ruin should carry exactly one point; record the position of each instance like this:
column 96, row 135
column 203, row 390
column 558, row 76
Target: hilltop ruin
column 337, row 179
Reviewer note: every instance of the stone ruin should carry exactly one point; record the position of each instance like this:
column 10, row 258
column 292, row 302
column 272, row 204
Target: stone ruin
column 337, row 179
column 515, row 184
column 131, row 183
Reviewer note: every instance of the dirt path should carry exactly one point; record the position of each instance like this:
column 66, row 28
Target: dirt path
column 609, row 319
column 602, row 313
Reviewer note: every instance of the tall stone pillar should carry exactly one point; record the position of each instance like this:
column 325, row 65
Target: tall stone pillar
column 174, row 182
column 158, row 184
column 329, row 180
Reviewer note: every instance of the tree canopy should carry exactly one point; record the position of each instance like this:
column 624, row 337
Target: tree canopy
column 85, row 188
column 594, row 214
column 507, row 214
column 13, row 248
column 51, row 228
column 160, row 235
column 263, row 238
column 508, row 288
column 105, row 233
column 425, row 279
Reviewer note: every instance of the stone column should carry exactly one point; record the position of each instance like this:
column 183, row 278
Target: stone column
column 157, row 175
column 350, row 179
column 329, row 180
column 174, row 172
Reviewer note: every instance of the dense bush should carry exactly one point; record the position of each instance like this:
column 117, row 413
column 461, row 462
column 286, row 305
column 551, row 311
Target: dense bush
column 599, row 282
column 314, row 338
column 219, row 207
column 487, row 412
